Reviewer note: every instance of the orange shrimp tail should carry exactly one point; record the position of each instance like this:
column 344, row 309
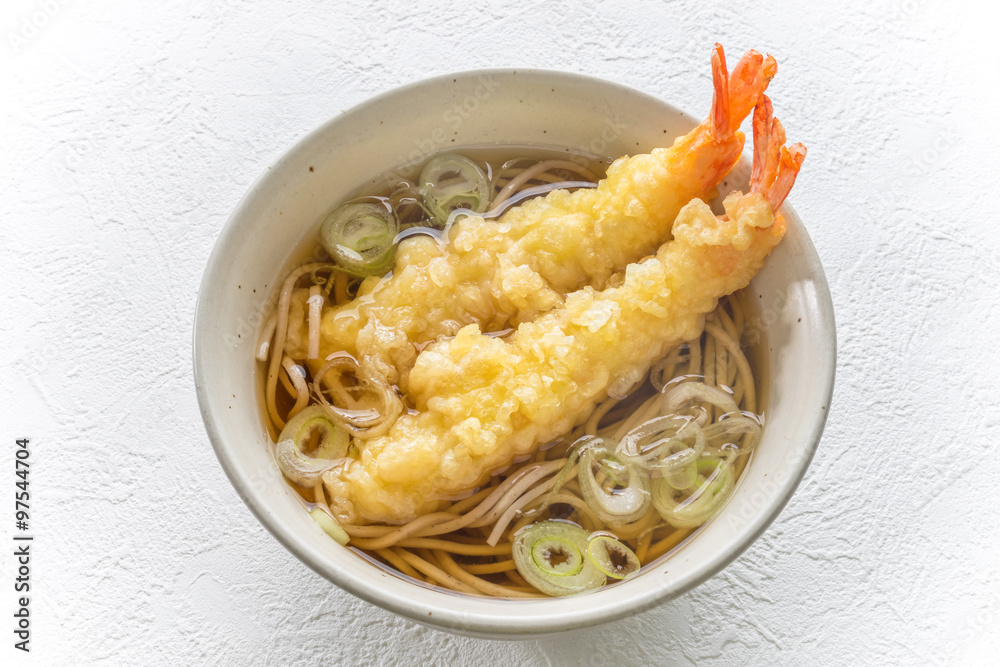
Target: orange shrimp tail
column 736, row 94
column 721, row 114
column 775, row 166
column 749, row 80
column 791, row 161
column 763, row 114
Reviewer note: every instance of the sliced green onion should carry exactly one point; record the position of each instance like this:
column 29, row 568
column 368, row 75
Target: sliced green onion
column 294, row 463
column 359, row 238
column 715, row 482
column 612, row 557
column 543, row 549
column 661, row 443
column 551, row 556
column 682, row 473
column 729, row 431
column 675, row 397
column 316, row 420
column 618, row 505
column 579, row 446
column 367, row 418
column 329, row 525
column 298, row 467
column 408, row 203
column 450, row 182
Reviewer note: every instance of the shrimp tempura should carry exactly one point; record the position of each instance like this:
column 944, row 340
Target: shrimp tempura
column 482, row 401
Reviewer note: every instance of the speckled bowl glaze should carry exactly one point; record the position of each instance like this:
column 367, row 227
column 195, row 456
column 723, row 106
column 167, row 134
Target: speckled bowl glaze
column 355, row 149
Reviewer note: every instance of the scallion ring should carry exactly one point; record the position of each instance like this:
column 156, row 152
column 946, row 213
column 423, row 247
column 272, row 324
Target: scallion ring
column 675, row 397
column 715, row 482
column 570, row 562
column 659, row 443
column 297, row 459
column 367, row 418
column 728, row 432
column 450, row 182
column 681, row 469
column 617, row 505
column 360, row 238
column 552, row 557
column 612, row 557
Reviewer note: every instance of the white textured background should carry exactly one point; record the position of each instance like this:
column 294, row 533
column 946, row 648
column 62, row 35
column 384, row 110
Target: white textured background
column 130, row 130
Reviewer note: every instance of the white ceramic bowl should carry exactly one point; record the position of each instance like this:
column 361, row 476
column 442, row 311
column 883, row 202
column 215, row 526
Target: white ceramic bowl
column 507, row 107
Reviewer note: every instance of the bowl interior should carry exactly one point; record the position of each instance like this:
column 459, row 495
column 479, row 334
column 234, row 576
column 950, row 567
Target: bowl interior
column 355, row 150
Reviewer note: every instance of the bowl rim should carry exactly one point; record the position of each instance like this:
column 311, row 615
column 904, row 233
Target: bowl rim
column 452, row 617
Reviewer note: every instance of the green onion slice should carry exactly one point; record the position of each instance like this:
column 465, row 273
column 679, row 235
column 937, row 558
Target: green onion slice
column 450, row 182
column 683, row 474
column 544, row 548
column 551, row 556
column 686, row 393
column 612, row 557
column 329, row 525
column 715, row 482
column 295, row 440
column 360, row 238
column 732, row 432
column 663, row 443
column 616, row 505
